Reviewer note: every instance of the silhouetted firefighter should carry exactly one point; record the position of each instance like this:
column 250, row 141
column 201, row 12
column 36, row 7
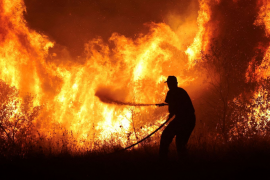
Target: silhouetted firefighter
column 182, row 125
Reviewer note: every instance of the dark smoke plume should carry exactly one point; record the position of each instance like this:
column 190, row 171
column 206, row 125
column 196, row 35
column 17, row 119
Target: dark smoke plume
column 72, row 23
column 235, row 40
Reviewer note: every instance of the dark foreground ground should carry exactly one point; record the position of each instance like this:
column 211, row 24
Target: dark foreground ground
column 236, row 164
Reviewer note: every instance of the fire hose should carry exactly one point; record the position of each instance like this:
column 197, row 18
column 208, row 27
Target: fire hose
column 109, row 100
column 148, row 135
column 162, row 104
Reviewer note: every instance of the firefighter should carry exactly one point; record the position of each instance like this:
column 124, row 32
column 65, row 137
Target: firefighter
column 182, row 125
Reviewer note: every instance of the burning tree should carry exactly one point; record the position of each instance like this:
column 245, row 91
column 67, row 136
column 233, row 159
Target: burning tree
column 227, row 80
column 237, row 44
column 16, row 119
column 252, row 109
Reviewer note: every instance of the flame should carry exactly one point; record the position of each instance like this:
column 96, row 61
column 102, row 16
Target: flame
column 201, row 39
column 258, row 112
column 133, row 71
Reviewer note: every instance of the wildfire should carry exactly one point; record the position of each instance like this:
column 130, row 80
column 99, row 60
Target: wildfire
column 133, row 71
column 63, row 97
column 257, row 119
column 201, row 40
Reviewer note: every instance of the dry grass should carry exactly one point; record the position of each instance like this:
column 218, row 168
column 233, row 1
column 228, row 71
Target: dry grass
column 211, row 154
column 208, row 158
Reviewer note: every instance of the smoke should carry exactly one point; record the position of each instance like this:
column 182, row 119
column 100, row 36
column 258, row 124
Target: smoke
column 234, row 35
column 73, row 23
column 106, row 42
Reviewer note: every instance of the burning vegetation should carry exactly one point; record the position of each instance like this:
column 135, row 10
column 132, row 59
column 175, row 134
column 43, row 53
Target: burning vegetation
column 55, row 97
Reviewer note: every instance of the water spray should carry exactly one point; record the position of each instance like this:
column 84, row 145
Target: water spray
column 109, row 100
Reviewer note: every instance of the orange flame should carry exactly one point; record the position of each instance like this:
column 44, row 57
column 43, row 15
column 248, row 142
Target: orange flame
column 134, row 71
column 258, row 105
column 201, row 40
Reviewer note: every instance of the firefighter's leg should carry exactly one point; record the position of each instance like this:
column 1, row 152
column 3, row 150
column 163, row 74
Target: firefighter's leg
column 181, row 140
column 166, row 139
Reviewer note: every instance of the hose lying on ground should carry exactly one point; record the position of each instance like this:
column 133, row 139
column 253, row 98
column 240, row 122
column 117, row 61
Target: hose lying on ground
column 146, row 136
